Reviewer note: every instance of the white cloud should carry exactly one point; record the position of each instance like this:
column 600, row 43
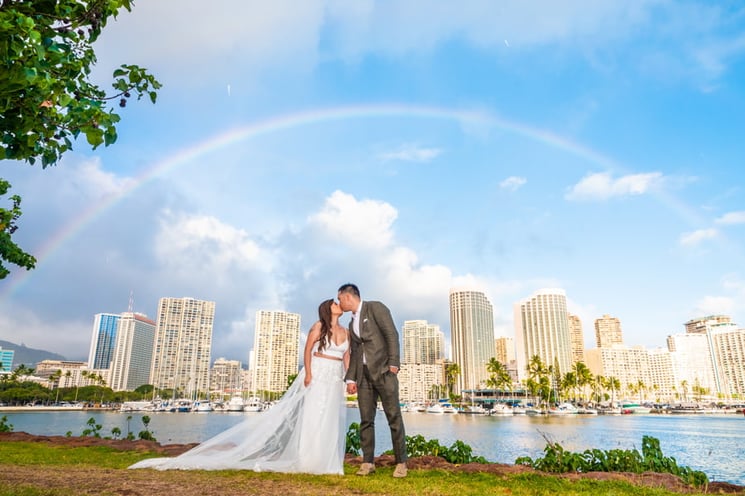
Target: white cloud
column 513, row 183
column 602, row 186
column 205, row 244
column 713, row 305
column 411, row 152
column 696, row 237
column 365, row 223
column 732, row 218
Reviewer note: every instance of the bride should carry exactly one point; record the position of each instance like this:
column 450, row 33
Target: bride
column 304, row 432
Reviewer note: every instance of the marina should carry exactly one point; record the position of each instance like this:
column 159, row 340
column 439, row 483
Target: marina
column 714, row 444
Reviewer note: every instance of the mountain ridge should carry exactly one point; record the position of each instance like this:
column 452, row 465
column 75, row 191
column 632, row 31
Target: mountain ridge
column 28, row 356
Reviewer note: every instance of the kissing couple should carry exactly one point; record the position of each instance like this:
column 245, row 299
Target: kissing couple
column 305, row 432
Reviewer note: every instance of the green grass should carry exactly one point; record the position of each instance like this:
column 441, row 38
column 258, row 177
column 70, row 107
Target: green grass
column 21, row 453
column 110, row 465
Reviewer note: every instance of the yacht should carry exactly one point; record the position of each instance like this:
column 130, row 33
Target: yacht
column 253, row 405
column 501, row 409
column 203, row 407
column 563, row 409
column 236, row 404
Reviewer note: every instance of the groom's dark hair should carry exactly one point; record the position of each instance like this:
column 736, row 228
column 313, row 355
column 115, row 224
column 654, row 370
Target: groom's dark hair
column 350, row 288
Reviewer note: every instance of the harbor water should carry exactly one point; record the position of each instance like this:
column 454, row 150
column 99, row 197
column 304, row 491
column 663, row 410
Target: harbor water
column 714, row 444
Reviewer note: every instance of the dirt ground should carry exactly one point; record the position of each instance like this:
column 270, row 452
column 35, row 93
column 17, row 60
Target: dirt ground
column 91, row 481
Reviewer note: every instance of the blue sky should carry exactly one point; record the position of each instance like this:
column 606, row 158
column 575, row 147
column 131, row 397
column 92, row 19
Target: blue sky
column 410, row 147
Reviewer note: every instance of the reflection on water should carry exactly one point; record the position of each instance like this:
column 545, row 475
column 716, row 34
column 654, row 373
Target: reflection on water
column 713, row 444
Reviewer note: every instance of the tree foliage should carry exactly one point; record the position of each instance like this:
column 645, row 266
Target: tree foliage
column 47, row 98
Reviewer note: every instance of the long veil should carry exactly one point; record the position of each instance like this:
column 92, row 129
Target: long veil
column 267, row 441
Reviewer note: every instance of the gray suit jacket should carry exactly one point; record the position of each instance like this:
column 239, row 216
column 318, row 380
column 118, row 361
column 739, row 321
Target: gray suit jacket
column 378, row 340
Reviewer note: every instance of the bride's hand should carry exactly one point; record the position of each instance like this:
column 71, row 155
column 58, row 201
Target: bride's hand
column 308, row 378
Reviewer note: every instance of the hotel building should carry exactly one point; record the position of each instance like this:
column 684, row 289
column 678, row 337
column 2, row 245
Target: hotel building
column 183, row 342
column 542, row 329
column 577, row 338
column 423, row 342
column 275, row 351
column 133, row 353
column 608, row 331
column 103, row 340
column 472, row 337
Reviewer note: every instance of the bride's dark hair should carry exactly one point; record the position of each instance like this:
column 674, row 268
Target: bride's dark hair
column 324, row 315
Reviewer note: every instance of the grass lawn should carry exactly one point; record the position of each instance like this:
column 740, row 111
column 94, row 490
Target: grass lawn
column 36, row 469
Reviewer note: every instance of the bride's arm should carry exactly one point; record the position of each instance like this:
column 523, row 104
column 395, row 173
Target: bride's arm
column 313, row 336
column 345, row 357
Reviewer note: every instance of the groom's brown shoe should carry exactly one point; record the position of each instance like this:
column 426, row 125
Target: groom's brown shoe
column 400, row 471
column 366, row 469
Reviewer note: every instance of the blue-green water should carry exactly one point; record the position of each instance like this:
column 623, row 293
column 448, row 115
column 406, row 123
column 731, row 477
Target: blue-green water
column 713, row 444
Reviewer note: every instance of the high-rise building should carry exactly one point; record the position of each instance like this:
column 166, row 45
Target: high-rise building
column 577, row 338
column 183, row 343
column 6, row 361
column 276, row 343
column 728, row 348
column 226, row 376
column 692, row 361
column 423, row 342
column 133, row 353
column 504, row 349
column 607, row 331
column 103, row 340
column 628, row 365
column 542, row 329
column 699, row 326
column 419, row 382
column 472, row 337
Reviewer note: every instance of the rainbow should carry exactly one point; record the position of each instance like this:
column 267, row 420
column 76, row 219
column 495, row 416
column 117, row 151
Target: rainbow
column 466, row 118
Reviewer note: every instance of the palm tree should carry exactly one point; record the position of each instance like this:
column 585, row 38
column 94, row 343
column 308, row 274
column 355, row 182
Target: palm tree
column 452, row 371
column 499, row 377
column 614, row 384
column 583, row 376
column 684, row 386
column 54, row 379
column 641, row 388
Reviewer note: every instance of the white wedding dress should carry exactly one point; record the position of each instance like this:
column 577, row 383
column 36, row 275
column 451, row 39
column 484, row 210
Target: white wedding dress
column 304, row 432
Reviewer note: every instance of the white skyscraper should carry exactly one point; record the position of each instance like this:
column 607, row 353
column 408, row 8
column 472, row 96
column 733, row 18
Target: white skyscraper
column 183, row 343
column 423, row 342
column 542, row 329
column 133, row 354
column 275, row 352
column 472, row 336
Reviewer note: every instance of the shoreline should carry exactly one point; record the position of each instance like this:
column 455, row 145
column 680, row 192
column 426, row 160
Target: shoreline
column 646, row 479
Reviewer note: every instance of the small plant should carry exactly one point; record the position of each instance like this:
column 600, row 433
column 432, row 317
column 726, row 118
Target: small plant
column 651, row 459
column 116, row 432
column 146, row 434
column 458, row 453
column 353, row 444
column 4, row 425
column 93, row 429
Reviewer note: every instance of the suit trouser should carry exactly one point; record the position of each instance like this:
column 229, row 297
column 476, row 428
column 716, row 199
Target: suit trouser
column 368, row 392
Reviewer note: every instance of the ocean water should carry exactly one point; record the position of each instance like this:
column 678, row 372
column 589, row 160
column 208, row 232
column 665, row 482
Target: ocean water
column 714, row 444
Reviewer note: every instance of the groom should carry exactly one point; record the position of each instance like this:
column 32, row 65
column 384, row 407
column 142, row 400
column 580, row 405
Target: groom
column 374, row 362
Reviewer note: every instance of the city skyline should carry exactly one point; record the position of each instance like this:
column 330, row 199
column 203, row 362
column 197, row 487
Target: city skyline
column 594, row 147
column 244, row 357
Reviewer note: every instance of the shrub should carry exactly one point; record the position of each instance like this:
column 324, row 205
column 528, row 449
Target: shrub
column 651, row 459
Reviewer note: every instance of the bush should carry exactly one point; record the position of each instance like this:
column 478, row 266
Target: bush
column 4, row 425
column 651, row 459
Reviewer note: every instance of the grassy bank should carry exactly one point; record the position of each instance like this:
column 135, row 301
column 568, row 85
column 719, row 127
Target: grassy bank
column 35, row 469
